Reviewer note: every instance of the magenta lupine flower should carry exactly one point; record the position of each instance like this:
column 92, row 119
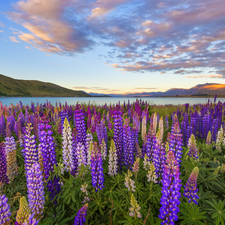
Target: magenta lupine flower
column 4, row 210
column 3, row 167
column 190, row 189
column 170, row 191
column 175, row 143
column 35, row 186
column 80, row 217
column 97, row 175
column 30, row 148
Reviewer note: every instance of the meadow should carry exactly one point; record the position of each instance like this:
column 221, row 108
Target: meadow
column 131, row 163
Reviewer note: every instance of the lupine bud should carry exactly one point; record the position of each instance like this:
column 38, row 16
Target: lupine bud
column 147, row 163
column 4, row 211
column 143, row 130
column 222, row 169
column 161, row 128
column 80, row 217
column 135, row 208
column 103, row 149
column 136, row 165
column 208, row 139
column 154, row 122
column 151, row 173
column 190, row 189
column 23, row 212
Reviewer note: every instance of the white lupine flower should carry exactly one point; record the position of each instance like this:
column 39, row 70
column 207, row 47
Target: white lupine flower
column 103, row 149
column 146, row 163
column 112, row 160
column 155, row 122
column 129, row 183
column 151, row 174
column 80, row 155
column 67, row 147
column 143, row 130
column 161, row 128
column 220, row 139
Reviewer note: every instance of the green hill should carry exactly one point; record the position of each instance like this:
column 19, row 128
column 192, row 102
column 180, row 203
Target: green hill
column 10, row 87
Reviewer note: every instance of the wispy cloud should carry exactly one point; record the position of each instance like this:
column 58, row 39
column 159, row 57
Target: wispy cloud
column 1, row 31
column 207, row 76
column 145, row 88
column 13, row 39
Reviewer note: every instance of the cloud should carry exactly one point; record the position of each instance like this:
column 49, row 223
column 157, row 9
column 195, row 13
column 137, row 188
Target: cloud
column 13, row 39
column 2, row 25
column 207, row 76
column 171, row 36
column 144, row 88
column 1, row 31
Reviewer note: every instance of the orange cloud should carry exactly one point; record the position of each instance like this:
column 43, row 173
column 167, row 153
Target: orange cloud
column 13, row 39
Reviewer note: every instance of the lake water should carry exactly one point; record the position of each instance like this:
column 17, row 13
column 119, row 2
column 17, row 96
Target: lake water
column 102, row 100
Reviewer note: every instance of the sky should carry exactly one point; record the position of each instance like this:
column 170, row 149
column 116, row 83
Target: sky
column 114, row 46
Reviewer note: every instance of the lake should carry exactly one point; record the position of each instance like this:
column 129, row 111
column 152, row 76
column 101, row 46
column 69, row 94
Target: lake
column 102, row 100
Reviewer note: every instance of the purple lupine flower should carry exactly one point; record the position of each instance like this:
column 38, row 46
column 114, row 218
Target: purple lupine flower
column 3, row 167
column 128, row 145
column 118, row 139
column 151, row 141
column 30, row 148
column 80, row 155
column 2, row 126
column 97, row 175
column 11, row 120
column 35, row 186
column 190, row 189
column 80, row 217
column 63, row 114
column 35, row 124
column 170, row 191
column 175, row 143
column 80, row 126
column 4, row 210
column 47, row 148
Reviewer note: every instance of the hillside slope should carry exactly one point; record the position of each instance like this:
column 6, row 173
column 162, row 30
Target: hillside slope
column 10, row 87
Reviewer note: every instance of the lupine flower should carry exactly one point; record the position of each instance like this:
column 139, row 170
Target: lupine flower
column 80, row 155
column 97, row 174
column 80, row 217
column 49, row 156
column 220, row 139
column 10, row 151
column 23, row 212
column 136, row 165
column 139, row 150
column 170, row 191
column 222, row 169
column 118, row 139
column 135, row 208
column 67, row 153
column 35, row 186
column 30, row 148
column 192, row 147
column 146, row 163
column 151, row 173
column 190, row 189
column 129, row 183
column 154, row 122
column 112, row 159
column 175, row 143
column 151, row 141
column 84, row 190
column 89, row 141
column 103, row 149
column 161, row 128
column 4, row 210
column 3, row 167
column 143, row 130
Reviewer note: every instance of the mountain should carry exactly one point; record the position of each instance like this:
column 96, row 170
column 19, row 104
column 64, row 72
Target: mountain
column 198, row 90
column 32, row 88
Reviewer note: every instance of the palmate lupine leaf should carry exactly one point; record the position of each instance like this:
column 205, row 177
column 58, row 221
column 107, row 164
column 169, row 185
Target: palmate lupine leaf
column 218, row 211
column 191, row 215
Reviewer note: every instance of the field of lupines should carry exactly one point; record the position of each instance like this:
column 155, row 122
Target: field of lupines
column 125, row 164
